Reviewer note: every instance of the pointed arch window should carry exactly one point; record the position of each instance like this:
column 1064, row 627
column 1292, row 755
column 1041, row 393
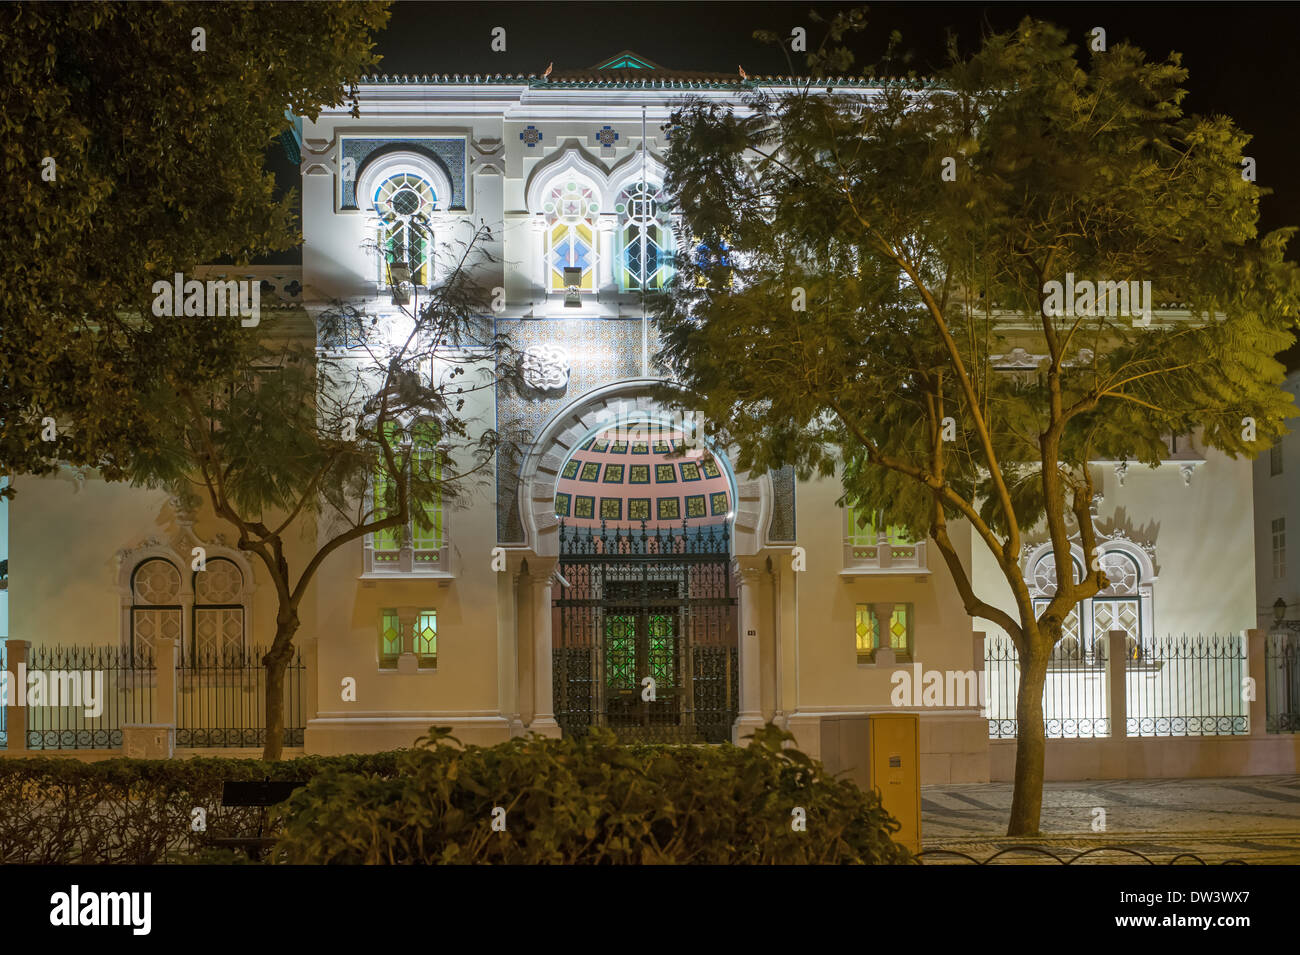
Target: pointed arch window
column 405, row 203
column 570, row 208
column 155, row 605
column 218, row 612
column 645, row 237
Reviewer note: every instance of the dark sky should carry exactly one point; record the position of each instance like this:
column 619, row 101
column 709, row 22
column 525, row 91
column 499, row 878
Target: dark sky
column 1241, row 56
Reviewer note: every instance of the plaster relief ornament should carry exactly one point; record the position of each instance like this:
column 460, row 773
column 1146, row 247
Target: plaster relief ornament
column 545, row 368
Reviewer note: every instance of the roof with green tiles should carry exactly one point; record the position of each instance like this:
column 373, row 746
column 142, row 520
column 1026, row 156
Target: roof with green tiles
column 629, row 70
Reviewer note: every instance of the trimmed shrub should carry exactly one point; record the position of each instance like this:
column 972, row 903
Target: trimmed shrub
column 588, row 801
column 136, row 811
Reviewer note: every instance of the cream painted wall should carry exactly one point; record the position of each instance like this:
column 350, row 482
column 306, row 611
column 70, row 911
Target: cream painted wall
column 1203, row 536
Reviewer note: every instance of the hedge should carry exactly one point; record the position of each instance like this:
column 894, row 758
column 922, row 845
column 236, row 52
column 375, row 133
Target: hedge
column 589, row 800
column 61, row 811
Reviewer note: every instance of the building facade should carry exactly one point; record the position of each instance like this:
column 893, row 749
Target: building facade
column 602, row 555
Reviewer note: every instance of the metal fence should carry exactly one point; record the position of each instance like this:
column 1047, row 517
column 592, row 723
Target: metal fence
column 1074, row 694
column 221, row 700
column 1187, row 685
column 1282, row 681
column 80, row 697
column 1177, row 685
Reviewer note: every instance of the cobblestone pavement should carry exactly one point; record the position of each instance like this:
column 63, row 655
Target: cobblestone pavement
column 1252, row 818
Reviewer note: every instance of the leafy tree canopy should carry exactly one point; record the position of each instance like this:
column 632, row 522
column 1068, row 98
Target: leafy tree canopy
column 157, row 151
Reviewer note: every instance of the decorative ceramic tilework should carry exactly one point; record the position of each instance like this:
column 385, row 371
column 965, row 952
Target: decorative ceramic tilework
column 570, row 468
column 613, row 474
column 640, row 447
column 600, row 444
column 620, row 447
column 695, row 506
column 639, row 474
column 584, row 506
column 718, row 503
column 611, row 508
column 586, row 445
column 669, row 508
column 606, row 136
column 690, row 471
column 782, row 526
column 562, row 505
column 590, row 472
column 710, row 468
column 665, row 474
column 531, row 136
column 662, row 447
column 638, row 508
column 450, row 153
column 602, row 351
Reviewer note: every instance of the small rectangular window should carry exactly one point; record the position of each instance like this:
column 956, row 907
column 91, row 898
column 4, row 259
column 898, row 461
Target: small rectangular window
column 1275, row 459
column 867, row 631
column 390, row 638
column 1279, row 548
column 426, row 639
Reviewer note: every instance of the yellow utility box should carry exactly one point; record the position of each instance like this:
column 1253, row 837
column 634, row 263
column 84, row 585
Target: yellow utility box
column 880, row 751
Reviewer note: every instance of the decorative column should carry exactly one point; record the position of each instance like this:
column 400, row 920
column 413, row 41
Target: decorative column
column 1257, row 671
column 751, row 701
column 542, row 570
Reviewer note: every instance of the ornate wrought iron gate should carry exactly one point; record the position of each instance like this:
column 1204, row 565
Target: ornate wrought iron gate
column 647, row 604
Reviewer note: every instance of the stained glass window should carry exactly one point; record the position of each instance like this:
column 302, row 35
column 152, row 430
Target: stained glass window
column 867, row 534
column 426, row 638
column 645, row 238
column 390, row 637
column 620, row 652
column 570, row 209
column 426, row 528
column 867, row 631
column 662, row 659
column 404, row 204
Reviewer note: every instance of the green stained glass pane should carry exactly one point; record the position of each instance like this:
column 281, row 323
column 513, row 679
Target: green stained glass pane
column 390, row 636
column 865, row 626
column 426, row 633
column 662, row 659
column 620, row 652
column 898, row 629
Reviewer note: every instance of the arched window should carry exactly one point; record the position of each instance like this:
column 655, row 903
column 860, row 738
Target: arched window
column 645, row 238
column 1117, row 607
column 218, row 611
column 405, row 203
column 155, row 604
column 1044, row 584
column 422, row 541
column 570, row 208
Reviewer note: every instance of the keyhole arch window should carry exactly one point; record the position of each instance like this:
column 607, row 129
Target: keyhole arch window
column 404, row 204
column 570, row 206
column 645, row 237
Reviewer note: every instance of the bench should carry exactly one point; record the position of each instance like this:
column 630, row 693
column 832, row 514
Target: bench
column 264, row 794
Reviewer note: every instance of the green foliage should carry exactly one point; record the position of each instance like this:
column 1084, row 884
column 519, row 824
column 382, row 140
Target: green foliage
column 159, row 153
column 57, row 811
column 589, row 801
column 916, row 281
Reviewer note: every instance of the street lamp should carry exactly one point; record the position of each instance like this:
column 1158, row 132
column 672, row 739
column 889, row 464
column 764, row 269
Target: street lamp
column 1279, row 611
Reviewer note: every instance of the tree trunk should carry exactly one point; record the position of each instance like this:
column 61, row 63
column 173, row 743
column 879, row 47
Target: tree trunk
column 1031, row 742
column 276, row 662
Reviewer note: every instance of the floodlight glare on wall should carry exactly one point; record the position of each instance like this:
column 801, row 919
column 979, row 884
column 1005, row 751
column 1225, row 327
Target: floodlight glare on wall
column 572, row 287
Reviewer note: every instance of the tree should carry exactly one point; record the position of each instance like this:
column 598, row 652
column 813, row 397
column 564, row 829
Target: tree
column 132, row 138
column 308, row 444
column 921, row 228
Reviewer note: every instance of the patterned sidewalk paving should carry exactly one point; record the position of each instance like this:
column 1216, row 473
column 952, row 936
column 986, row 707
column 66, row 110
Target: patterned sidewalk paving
column 1252, row 818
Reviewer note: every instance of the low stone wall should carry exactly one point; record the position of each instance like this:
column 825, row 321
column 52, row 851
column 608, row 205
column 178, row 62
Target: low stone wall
column 1155, row 757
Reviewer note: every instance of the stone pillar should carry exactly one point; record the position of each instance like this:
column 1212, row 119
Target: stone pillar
column 981, row 678
column 1258, row 672
column 508, row 639
column 543, row 722
column 16, row 715
column 407, row 618
column 751, row 713
column 1116, row 667
column 885, row 654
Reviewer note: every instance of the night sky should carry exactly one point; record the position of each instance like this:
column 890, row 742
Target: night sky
column 1241, row 57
